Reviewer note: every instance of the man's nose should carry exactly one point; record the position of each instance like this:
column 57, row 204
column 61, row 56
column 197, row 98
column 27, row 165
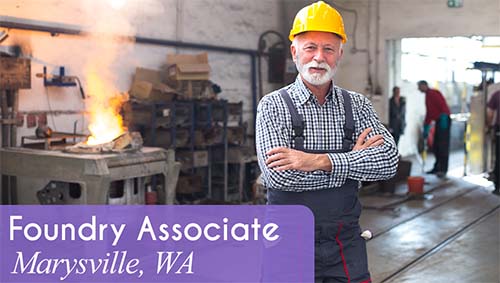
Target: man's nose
column 319, row 56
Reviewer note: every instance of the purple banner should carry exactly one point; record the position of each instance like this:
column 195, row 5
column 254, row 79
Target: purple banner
column 156, row 244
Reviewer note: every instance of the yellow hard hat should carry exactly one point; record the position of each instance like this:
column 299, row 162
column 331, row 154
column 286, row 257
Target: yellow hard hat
column 318, row 16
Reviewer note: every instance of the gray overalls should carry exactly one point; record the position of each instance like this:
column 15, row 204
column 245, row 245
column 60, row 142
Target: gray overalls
column 340, row 251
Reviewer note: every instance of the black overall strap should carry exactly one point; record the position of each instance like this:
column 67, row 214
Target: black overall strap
column 349, row 121
column 297, row 121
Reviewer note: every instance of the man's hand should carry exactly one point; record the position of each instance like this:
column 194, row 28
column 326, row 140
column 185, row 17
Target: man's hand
column 426, row 131
column 371, row 142
column 283, row 158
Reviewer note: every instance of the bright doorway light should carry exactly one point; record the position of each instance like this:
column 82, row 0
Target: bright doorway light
column 117, row 4
column 447, row 59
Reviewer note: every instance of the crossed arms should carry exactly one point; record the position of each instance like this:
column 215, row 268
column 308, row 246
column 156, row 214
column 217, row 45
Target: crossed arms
column 373, row 157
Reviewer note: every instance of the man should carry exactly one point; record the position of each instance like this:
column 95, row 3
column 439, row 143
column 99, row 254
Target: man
column 316, row 142
column 493, row 110
column 438, row 112
column 397, row 111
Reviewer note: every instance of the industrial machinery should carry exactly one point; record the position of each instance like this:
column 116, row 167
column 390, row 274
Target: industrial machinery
column 480, row 154
column 56, row 177
column 43, row 173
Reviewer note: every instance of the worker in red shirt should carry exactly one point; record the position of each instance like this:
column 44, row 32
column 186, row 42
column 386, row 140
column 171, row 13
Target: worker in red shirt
column 439, row 113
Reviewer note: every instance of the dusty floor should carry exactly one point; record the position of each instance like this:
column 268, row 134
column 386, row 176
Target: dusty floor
column 450, row 234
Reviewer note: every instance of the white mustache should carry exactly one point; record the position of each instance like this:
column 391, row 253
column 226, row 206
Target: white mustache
column 314, row 64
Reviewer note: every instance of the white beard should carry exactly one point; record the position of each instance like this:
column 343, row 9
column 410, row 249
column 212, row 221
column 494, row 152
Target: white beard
column 316, row 79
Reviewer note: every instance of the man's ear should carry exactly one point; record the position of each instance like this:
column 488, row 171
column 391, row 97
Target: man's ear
column 341, row 52
column 293, row 51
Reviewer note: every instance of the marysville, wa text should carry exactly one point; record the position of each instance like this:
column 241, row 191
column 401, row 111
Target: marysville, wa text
column 93, row 230
column 114, row 263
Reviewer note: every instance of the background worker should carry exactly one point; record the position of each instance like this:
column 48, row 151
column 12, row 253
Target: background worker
column 316, row 141
column 437, row 111
column 493, row 110
column 397, row 113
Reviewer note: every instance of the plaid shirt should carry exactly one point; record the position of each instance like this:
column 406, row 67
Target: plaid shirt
column 323, row 131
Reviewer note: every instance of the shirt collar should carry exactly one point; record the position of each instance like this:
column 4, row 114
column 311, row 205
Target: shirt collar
column 304, row 93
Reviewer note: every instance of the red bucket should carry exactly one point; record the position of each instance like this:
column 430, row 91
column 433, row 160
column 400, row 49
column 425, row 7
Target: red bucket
column 151, row 197
column 416, row 185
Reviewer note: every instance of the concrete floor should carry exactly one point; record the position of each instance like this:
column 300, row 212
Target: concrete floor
column 451, row 234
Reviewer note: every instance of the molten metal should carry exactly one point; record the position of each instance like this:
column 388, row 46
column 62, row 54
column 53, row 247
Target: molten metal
column 105, row 123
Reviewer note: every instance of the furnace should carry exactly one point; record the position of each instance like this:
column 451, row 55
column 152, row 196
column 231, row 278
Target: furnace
column 55, row 177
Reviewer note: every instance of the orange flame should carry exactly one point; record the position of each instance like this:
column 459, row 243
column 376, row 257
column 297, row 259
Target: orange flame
column 105, row 122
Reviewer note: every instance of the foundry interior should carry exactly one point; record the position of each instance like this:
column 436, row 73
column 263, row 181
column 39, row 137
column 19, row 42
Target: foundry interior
column 154, row 102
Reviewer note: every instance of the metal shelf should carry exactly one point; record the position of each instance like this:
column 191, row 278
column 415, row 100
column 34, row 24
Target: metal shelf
column 192, row 125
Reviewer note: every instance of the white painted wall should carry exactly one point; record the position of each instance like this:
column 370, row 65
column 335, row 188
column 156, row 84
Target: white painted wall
column 231, row 23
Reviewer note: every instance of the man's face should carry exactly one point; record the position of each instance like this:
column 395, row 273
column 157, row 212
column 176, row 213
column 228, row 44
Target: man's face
column 396, row 91
column 422, row 87
column 316, row 55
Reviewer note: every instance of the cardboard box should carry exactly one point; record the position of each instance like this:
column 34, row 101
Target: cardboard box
column 195, row 89
column 141, row 89
column 147, row 85
column 183, row 67
column 162, row 92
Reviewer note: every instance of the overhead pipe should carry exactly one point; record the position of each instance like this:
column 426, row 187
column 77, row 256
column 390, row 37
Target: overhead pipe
column 8, row 22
